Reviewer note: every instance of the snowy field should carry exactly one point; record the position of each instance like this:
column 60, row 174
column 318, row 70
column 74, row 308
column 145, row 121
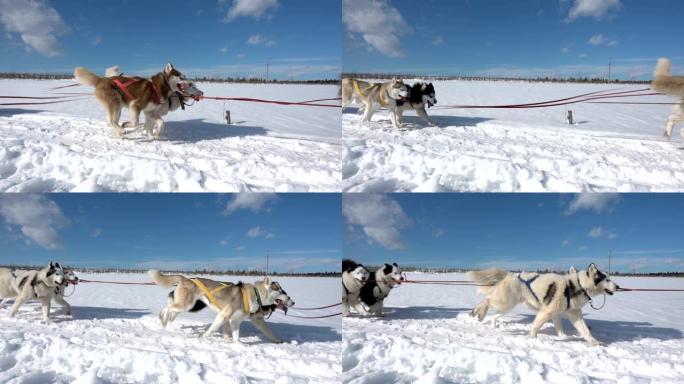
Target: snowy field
column 115, row 336
column 70, row 147
column 610, row 147
column 428, row 336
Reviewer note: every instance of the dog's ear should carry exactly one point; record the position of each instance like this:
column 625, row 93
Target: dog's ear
column 592, row 268
column 394, row 80
column 58, row 266
column 169, row 68
column 267, row 280
column 51, row 266
column 395, row 264
column 423, row 87
column 572, row 269
column 387, row 269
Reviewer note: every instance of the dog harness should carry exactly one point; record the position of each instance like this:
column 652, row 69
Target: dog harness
column 212, row 299
column 123, row 87
column 528, row 284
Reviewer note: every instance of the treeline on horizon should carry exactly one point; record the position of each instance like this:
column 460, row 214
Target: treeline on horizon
column 202, row 271
column 204, row 79
column 540, row 79
column 547, row 270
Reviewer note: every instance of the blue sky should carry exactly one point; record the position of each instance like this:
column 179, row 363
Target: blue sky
column 512, row 38
column 200, row 37
column 301, row 231
column 517, row 231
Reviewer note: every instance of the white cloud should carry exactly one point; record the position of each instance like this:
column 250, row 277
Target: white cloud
column 599, row 39
column 378, row 22
column 438, row 40
column 597, row 9
column 439, row 232
column 95, row 233
column 582, row 248
column 250, row 8
column 97, row 40
column 255, row 202
column 597, row 202
column 565, row 49
column 223, row 242
column 223, row 50
column 565, row 242
column 37, row 23
column 258, row 232
column 260, row 40
column 37, row 216
column 380, row 217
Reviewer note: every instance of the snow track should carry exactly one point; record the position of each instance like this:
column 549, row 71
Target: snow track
column 611, row 148
column 428, row 336
column 69, row 147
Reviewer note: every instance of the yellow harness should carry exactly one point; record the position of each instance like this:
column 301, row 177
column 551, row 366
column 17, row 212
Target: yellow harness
column 212, row 299
column 355, row 82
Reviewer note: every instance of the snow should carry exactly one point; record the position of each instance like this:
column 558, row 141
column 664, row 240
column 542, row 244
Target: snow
column 115, row 336
column 611, row 147
column 427, row 336
column 70, row 147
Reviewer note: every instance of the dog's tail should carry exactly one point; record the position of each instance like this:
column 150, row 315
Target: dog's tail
column 86, row 77
column 166, row 281
column 113, row 71
column 662, row 68
column 487, row 278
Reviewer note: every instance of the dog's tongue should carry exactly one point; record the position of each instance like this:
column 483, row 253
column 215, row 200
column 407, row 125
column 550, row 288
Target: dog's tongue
column 282, row 306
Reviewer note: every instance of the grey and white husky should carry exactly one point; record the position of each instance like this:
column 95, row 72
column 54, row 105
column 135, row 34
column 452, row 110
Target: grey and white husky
column 23, row 286
column 354, row 277
column 373, row 96
column 550, row 294
column 665, row 83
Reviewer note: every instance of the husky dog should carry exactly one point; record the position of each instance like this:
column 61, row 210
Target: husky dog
column 176, row 100
column 373, row 96
column 233, row 302
column 665, row 83
column 550, row 294
column 419, row 95
column 27, row 285
column 354, row 276
column 139, row 95
column 69, row 278
column 378, row 287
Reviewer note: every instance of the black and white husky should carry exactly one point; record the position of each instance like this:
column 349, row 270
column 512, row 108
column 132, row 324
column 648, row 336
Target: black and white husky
column 31, row 285
column 420, row 95
column 665, row 83
column 378, row 287
column 354, row 277
column 550, row 294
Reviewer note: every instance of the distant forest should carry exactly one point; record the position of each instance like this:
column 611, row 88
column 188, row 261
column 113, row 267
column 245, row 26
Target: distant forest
column 204, row 79
column 464, row 270
column 237, row 272
column 545, row 79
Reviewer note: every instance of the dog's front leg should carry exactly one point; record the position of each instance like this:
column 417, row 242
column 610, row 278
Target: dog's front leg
column 577, row 321
column 60, row 300
column 480, row 310
column 345, row 306
column 159, row 125
column 423, row 114
column 260, row 324
column 46, row 301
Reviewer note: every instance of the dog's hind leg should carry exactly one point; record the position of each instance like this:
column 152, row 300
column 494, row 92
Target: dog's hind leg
column 235, row 326
column 542, row 317
column 218, row 322
column 423, row 114
column 135, row 117
column 45, row 302
column 18, row 302
column 113, row 116
column 577, row 321
column 260, row 324
column 558, row 324
column 480, row 310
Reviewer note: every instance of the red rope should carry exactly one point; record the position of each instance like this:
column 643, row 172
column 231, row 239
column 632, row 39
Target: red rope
column 39, row 103
column 313, row 317
column 114, row 282
column 309, row 104
column 316, row 308
column 65, row 86
column 650, row 290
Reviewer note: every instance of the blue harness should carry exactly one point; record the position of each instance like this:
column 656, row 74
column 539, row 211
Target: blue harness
column 528, row 283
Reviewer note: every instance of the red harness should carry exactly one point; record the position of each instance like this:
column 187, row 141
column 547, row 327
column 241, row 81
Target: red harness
column 124, row 88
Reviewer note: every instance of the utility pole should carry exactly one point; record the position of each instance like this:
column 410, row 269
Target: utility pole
column 610, row 68
column 268, row 256
column 268, row 67
column 610, row 256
